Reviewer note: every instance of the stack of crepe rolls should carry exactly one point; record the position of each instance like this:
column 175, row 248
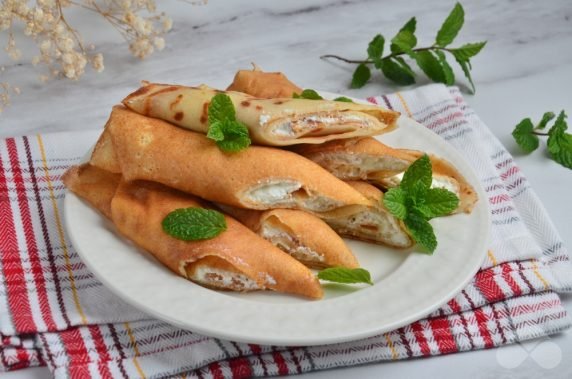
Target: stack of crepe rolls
column 236, row 259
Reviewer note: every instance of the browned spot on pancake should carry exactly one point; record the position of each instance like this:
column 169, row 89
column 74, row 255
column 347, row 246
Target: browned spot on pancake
column 369, row 227
column 141, row 91
column 278, row 102
column 179, row 116
column 258, row 108
column 245, row 103
column 176, row 101
column 205, row 112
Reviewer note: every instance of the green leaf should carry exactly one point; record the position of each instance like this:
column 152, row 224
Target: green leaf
column 403, row 42
column 438, row 202
column 546, row 118
column 345, row 275
column 467, row 51
column 559, row 142
column 220, row 109
column 192, row 224
column 235, row 136
column 417, row 193
column 419, row 171
column 215, row 131
column 421, row 231
column 361, row 76
column 451, row 26
column 465, row 65
column 396, row 70
column 375, row 48
column 410, row 25
column 447, row 70
column 309, row 94
column 343, row 99
column 430, row 66
column 523, row 136
column 394, row 201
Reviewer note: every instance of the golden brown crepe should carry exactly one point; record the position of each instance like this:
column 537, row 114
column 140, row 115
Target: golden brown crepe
column 368, row 159
column 272, row 122
column 143, row 148
column 302, row 235
column 370, row 223
column 264, row 85
column 237, row 259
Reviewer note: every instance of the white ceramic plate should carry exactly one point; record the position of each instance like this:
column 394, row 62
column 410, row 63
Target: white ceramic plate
column 408, row 285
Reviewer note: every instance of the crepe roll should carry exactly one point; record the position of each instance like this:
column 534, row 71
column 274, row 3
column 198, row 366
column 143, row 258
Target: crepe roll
column 263, row 85
column 272, row 122
column 302, row 235
column 143, row 148
column 370, row 223
column 236, row 260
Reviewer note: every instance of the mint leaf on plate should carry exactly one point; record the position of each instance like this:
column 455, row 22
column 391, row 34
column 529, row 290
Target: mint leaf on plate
column 394, row 201
column 345, row 275
column 192, row 224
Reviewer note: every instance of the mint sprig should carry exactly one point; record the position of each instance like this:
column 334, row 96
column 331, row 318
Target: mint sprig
column 415, row 202
column 559, row 142
column 432, row 60
column 311, row 94
column 193, row 224
column 229, row 134
column 345, row 275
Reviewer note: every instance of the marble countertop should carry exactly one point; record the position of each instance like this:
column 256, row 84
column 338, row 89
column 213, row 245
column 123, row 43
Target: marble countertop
column 525, row 69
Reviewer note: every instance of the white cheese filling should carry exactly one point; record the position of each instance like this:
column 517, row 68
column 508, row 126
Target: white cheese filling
column 224, row 279
column 289, row 244
column 438, row 181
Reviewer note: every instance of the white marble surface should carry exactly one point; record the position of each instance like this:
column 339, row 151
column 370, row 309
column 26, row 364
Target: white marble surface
column 525, row 70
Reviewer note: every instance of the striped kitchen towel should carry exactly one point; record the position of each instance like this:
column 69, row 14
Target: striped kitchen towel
column 54, row 312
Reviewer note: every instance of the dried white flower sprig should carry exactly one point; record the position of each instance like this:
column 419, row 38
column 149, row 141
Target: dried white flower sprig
column 61, row 48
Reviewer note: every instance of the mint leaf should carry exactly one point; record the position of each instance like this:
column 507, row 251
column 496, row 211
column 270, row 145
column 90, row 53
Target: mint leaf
column 416, row 194
column 309, row 94
column 438, row 202
column 235, row 135
column 559, row 142
column 546, row 118
column 523, row 136
column 403, row 42
column 430, row 66
column 345, row 275
column 418, row 171
column 396, row 70
column 192, row 224
column 465, row 65
column 467, row 51
column 421, row 231
column 361, row 76
column 394, row 201
column 448, row 73
column 220, row 108
column 451, row 26
column 375, row 48
column 343, row 99
column 410, row 25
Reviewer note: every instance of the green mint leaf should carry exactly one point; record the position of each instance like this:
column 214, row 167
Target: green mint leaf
column 345, row 275
column 523, row 136
column 417, row 193
column 403, row 42
column 192, row 224
column 394, row 201
column 447, row 70
column 396, row 70
column 419, row 171
column 375, row 48
column 235, row 136
column 421, row 231
column 438, row 202
column 309, row 94
column 451, row 26
column 410, row 25
column 546, row 118
column 215, row 131
column 465, row 65
column 343, row 99
column 559, row 142
column 467, row 51
column 430, row 66
column 220, row 109
column 361, row 76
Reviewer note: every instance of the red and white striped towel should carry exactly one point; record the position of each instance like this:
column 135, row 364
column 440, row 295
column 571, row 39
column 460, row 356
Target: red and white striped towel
column 54, row 312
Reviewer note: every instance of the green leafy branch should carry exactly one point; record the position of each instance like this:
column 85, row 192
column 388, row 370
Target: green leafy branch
column 559, row 142
column 432, row 60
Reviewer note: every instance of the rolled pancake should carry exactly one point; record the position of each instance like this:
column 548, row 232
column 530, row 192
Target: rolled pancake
column 263, row 85
column 302, row 235
column 272, row 122
column 143, row 148
column 370, row 223
column 237, row 259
